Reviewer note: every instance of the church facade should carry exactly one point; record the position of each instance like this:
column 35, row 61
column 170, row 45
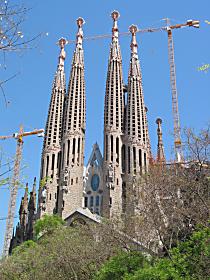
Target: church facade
column 105, row 186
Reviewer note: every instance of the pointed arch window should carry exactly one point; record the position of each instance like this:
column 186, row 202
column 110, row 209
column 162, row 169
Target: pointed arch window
column 111, row 147
column 117, row 149
column 123, row 159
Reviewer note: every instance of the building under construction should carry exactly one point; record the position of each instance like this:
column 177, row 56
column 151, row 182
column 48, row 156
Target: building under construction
column 105, row 186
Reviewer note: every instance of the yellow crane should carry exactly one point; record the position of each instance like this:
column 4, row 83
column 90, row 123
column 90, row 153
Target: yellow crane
column 175, row 109
column 15, row 182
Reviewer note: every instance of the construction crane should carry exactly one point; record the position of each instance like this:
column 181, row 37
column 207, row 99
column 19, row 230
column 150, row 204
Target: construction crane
column 175, row 110
column 15, row 182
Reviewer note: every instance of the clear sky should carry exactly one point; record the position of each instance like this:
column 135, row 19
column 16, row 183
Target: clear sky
column 29, row 93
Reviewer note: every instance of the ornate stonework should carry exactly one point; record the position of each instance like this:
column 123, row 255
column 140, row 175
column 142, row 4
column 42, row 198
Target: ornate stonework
column 127, row 151
column 51, row 154
column 73, row 138
column 113, row 127
column 93, row 182
column 109, row 185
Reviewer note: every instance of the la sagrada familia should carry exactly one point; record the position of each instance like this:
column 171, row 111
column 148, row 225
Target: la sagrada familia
column 104, row 187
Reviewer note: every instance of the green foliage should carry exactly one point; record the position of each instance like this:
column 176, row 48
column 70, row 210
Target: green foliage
column 190, row 260
column 44, row 181
column 24, row 247
column 65, row 254
column 77, row 253
column 47, row 225
column 125, row 263
column 4, row 181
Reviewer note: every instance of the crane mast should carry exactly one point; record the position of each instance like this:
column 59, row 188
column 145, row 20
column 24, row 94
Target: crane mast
column 14, row 183
column 13, row 196
column 175, row 108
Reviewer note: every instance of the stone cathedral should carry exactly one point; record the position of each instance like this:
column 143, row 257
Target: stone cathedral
column 105, row 186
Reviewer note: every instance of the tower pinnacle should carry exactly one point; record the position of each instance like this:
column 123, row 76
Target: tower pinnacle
column 113, row 126
column 34, row 186
column 73, row 133
column 26, row 192
column 62, row 42
column 160, row 148
column 115, row 15
column 133, row 28
column 51, row 154
column 80, row 22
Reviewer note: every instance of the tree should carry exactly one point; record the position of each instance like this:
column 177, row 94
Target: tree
column 65, row 253
column 12, row 16
column 6, row 168
column 122, row 265
column 167, row 196
column 189, row 260
column 12, row 37
column 47, row 225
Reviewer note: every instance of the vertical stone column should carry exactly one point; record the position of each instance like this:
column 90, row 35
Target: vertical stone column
column 160, row 148
column 47, row 199
column 113, row 128
column 71, row 182
column 136, row 136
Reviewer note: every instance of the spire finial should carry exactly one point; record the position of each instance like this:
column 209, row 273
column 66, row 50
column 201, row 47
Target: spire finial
column 26, row 191
column 115, row 15
column 159, row 122
column 133, row 29
column 34, row 186
column 160, row 151
column 62, row 42
column 159, row 129
column 80, row 22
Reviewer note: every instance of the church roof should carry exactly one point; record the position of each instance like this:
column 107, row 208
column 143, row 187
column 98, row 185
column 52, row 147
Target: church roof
column 95, row 155
column 83, row 212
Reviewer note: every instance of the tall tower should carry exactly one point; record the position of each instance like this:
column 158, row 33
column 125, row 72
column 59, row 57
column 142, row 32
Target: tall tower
column 51, row 154
column 113, row 127
column 136, row 148
column 160, row 149
column 23, row 214
column 73, row 139
column 31, row 212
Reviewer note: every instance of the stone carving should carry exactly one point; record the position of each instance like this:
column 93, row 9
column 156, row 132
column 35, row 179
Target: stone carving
column 110, row 177
column 110, row 173
column 44, row 195
column 65, row 188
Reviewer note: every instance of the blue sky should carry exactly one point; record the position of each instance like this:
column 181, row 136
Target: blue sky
column 29, row 93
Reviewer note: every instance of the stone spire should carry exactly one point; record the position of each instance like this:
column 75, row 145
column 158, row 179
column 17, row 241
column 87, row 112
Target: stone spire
column 71, row 183
column 23, row 214
column 59, row 81
column 51, row 154
column 115, row 52
column 34, row 186
column 114, row 105
column 137, row 137
column 31, row 211
column 150, row 156
column 136, row 149
column 160, row 148
column 113, row 126
column 24, row 208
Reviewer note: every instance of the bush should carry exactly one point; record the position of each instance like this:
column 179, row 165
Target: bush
column 190, row 260
column 47, row 225
column 126, row 263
